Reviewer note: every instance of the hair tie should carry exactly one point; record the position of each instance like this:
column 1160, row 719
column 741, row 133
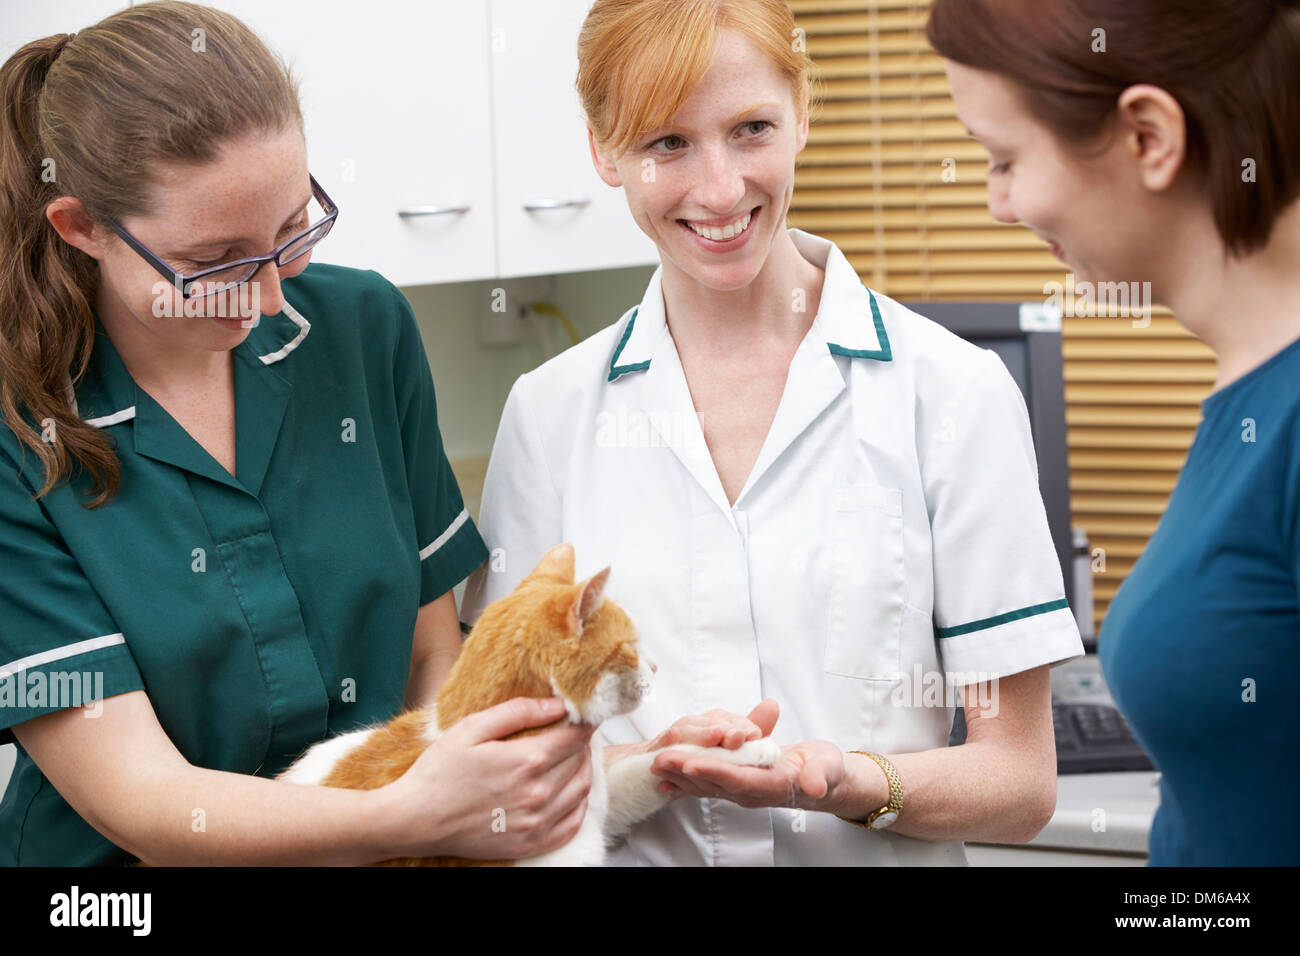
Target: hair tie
column 58, row 47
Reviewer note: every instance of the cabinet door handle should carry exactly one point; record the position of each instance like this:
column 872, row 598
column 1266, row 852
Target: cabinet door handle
column 411, row 212
column 539, row 204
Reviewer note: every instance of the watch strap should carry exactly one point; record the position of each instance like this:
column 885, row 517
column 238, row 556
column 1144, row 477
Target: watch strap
column 895, row 804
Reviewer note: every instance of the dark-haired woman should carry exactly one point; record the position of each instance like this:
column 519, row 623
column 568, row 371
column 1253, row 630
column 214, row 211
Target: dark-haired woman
column 1156, row 142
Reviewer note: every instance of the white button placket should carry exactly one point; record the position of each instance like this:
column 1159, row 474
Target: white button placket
column 725, row 667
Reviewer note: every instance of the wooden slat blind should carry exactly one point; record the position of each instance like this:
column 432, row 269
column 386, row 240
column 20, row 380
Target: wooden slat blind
column 872, row 179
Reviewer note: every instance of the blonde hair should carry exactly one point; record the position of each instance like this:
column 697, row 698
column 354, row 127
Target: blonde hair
column 165, row 81
column 624, row 46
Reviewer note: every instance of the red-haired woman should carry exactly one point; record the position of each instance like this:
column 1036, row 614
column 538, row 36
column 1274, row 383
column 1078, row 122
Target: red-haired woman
column 809, row 496
column 1156, row 141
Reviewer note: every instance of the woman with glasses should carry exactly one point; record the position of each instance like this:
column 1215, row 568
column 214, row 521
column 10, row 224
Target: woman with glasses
column 228, row 529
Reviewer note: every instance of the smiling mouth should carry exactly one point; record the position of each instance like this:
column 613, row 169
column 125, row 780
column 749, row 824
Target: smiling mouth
column 723, row 233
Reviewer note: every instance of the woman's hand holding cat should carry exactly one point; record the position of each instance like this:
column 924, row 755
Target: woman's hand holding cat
column 472, row 794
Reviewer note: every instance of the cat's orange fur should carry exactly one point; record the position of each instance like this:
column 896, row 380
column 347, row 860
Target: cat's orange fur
column 551, row 634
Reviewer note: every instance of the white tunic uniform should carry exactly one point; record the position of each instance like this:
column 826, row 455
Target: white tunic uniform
column 891, row 532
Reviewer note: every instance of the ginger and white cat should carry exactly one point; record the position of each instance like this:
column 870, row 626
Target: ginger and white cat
column 550, row 636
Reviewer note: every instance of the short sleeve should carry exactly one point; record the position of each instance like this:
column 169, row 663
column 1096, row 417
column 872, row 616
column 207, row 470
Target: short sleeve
column 59, row 646
column 999, row 599
column 520, row 512
column 450, row 545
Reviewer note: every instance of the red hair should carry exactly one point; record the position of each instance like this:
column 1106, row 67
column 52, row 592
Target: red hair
column 626, row 47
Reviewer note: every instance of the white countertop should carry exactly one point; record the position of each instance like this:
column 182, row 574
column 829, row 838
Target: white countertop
column 1109, row 812
column 1098, row 812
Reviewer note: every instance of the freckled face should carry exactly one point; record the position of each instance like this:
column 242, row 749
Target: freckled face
column 244, row 203
column 712, row 188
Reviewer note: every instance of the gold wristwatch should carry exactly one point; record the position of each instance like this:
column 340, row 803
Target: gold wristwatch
column 887, row 815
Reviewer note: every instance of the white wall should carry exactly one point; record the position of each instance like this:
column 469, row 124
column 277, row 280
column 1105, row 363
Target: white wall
column 472, row 380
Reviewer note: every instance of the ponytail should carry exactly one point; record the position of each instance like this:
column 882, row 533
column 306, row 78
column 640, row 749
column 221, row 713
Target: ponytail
column 89, row 115
column 46, row 289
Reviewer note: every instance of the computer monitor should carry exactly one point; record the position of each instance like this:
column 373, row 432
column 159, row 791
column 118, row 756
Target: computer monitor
column 1027, row 337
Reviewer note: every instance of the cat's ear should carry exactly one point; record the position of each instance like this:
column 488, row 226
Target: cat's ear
column 556, row 564
column 586, row 599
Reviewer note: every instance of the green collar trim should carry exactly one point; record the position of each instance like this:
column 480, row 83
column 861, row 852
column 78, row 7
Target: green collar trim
column 615, row 370
column 884, row 353
column 106, row 395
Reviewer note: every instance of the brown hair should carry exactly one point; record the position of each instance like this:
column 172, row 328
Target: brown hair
column 623, row 47
column 1232, row 65
column 87, row 115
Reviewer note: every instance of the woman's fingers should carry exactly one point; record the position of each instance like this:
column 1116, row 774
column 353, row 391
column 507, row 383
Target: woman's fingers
column 715, row 729
column 765, row 716
column 508, row 717
column 556, row 747
column 573, row 783
column 686, row 785
column 567, row 828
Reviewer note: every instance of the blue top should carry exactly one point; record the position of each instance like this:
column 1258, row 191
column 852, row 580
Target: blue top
column 1201, row 646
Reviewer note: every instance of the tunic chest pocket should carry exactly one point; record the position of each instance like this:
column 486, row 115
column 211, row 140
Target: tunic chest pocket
column 864, row 612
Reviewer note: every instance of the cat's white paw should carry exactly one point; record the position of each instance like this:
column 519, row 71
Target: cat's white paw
column 763, row 752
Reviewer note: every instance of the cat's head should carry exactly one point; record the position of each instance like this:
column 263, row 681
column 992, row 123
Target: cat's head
column 551, row 635
column 586, row 642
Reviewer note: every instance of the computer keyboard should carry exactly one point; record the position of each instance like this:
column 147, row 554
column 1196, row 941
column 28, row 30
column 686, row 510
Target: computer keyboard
column 1090, row 738
column 1094, row 738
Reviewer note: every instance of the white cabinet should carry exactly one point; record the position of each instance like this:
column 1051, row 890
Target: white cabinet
column 395, row 104
column 451, row 136
column 449, row 132
column 554, row 213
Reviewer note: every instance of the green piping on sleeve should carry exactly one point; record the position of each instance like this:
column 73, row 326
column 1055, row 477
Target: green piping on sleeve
column 1003, row 618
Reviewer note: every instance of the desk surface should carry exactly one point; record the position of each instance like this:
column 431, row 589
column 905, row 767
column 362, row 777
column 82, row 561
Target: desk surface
column 1106, row 812
column 1109, row 812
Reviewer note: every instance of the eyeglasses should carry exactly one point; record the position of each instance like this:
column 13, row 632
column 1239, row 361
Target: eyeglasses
column 228, row 275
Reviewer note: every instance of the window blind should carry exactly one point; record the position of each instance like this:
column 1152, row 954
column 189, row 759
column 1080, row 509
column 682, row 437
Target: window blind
column 891, row 177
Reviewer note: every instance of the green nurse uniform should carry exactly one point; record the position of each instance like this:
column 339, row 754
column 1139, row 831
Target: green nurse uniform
column 262, row 612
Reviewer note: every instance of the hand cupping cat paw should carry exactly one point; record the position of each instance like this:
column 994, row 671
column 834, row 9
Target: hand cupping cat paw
column 806, row 776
